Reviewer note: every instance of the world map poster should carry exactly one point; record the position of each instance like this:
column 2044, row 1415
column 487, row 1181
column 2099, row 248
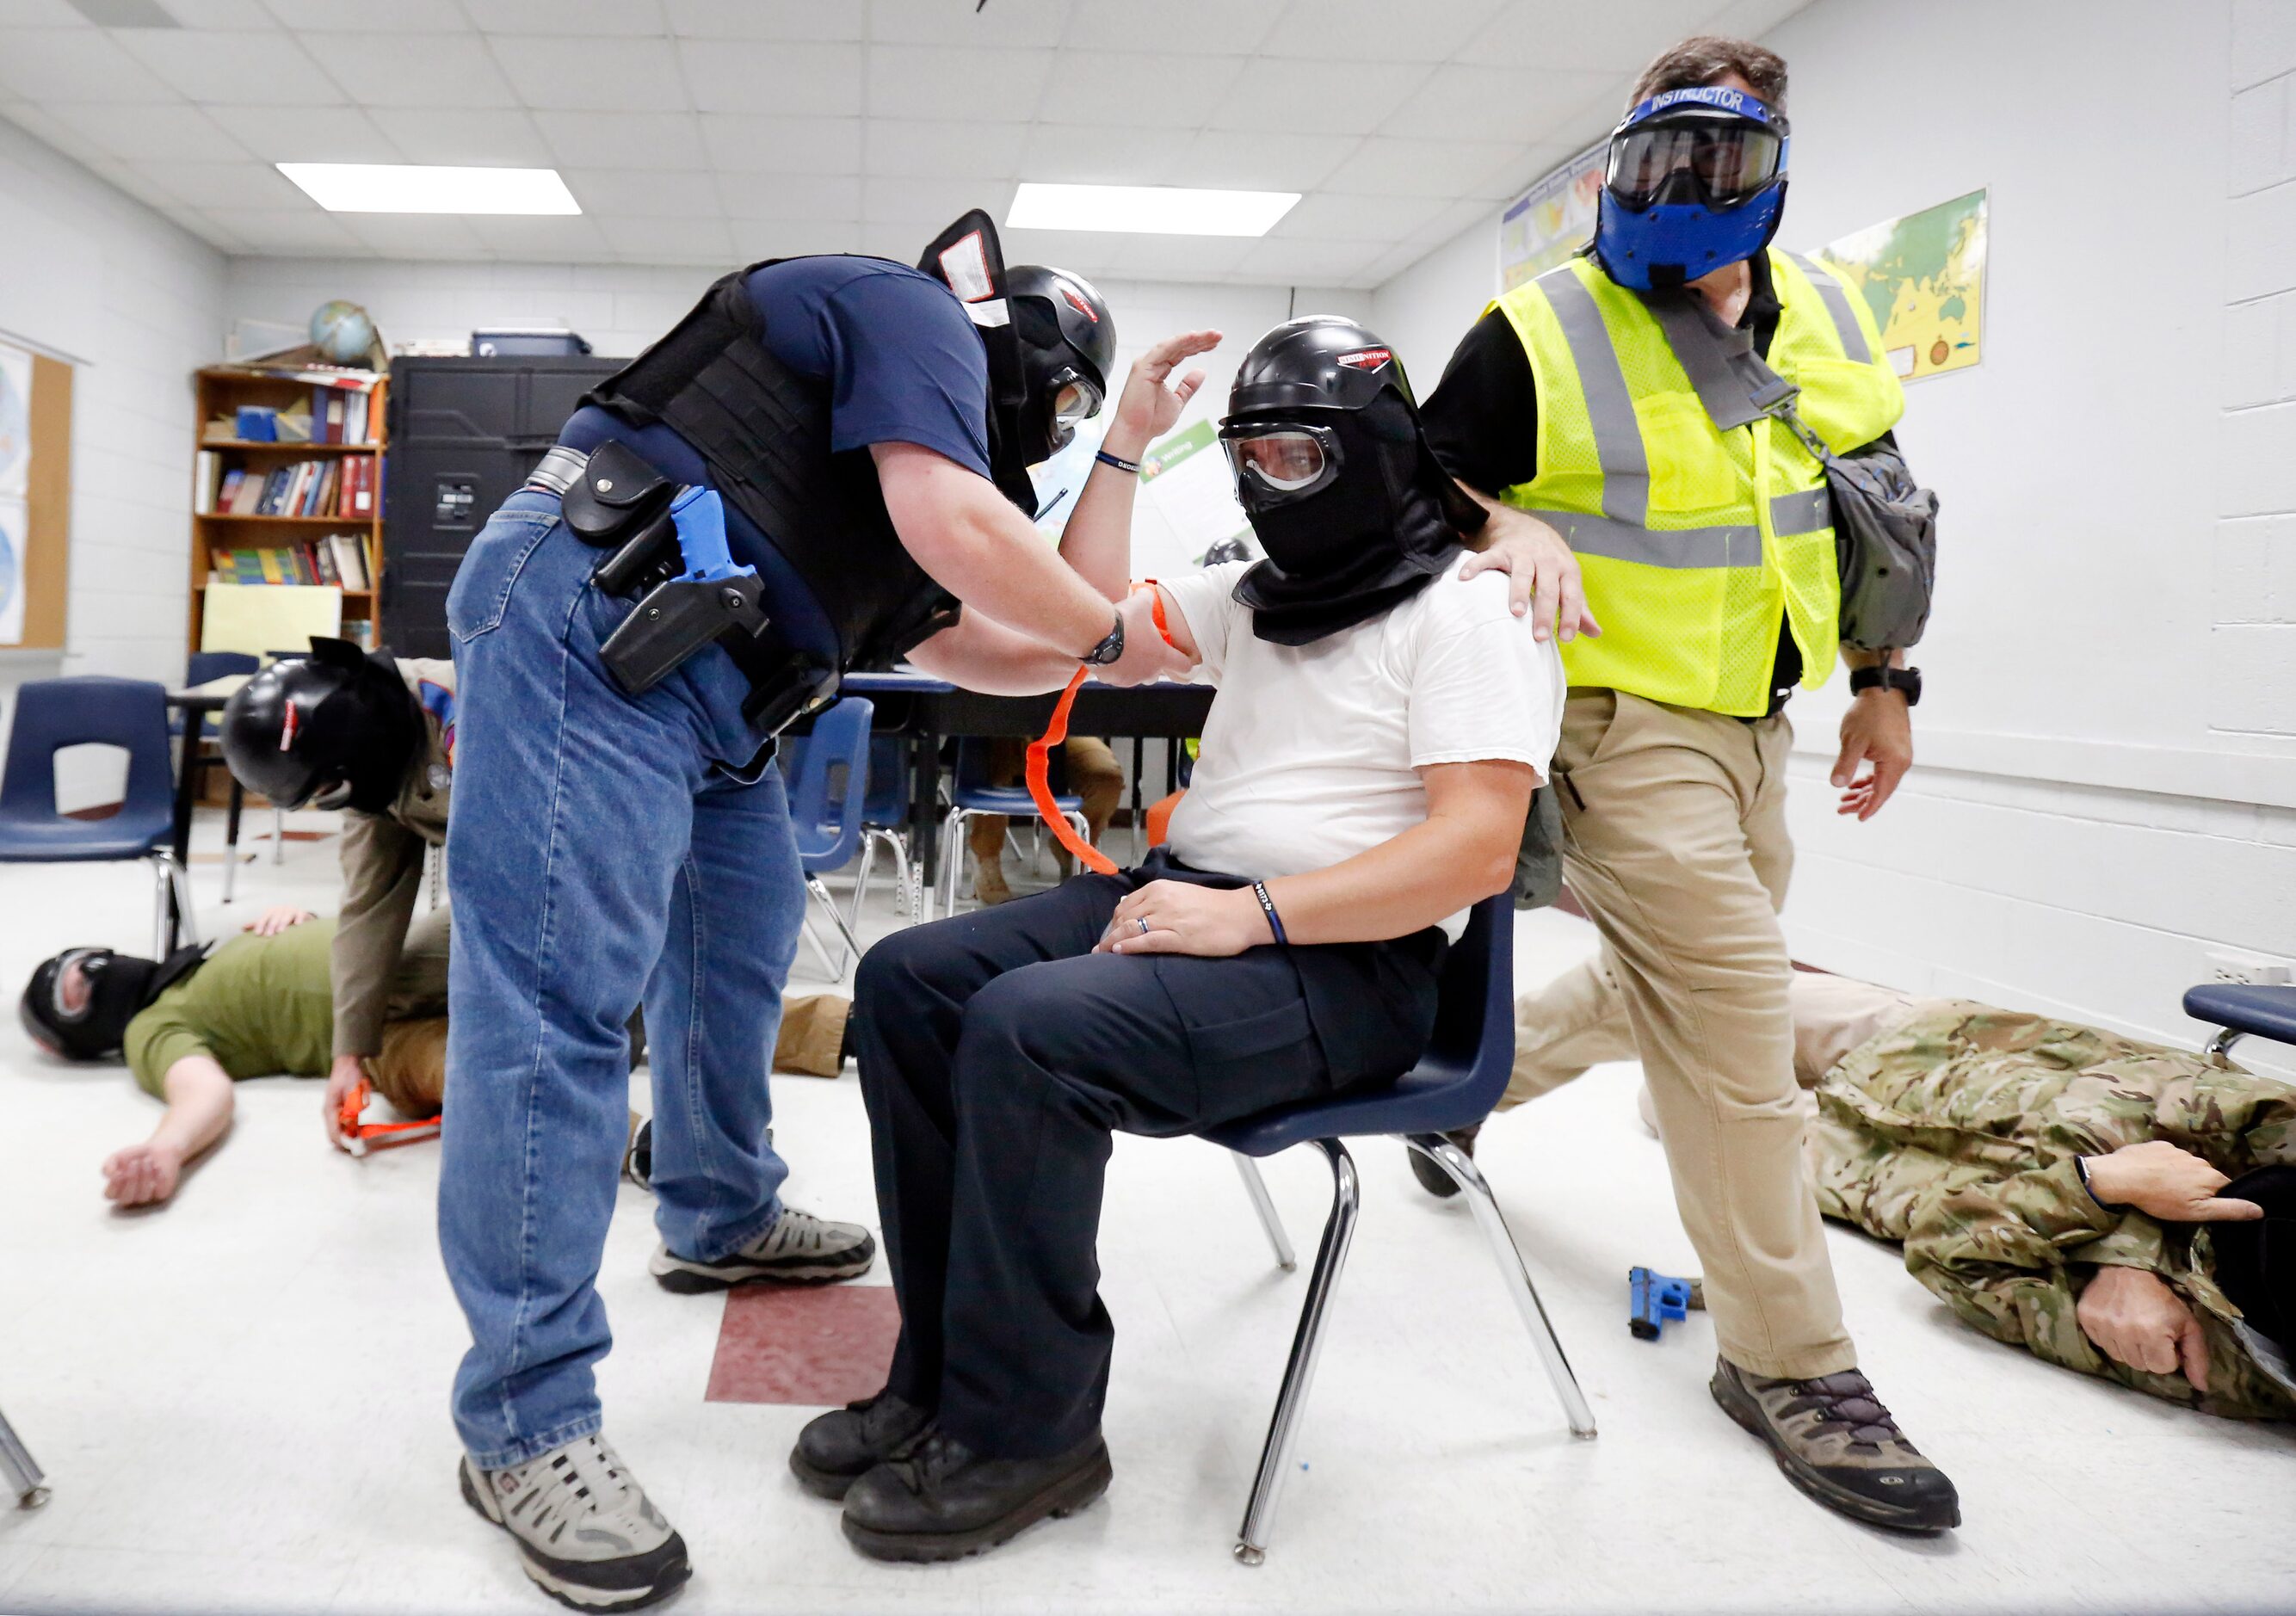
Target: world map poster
column 1923, row 276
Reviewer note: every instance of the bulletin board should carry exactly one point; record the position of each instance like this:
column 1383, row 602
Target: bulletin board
column 35, row 497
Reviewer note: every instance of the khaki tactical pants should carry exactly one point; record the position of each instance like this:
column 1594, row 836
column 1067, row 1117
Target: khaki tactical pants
column 410, row 1071
column 1675, row 842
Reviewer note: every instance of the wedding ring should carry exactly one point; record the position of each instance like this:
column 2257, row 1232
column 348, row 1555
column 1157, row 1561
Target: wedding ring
column 1142, row 924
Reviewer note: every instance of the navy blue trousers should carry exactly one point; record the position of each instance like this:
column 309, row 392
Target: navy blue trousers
column 998, row 1054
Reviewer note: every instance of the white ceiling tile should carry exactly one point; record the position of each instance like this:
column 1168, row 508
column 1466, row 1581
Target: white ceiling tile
column 135, row 183
column 1510, row 178
column 740, row 144
column 1086, row 251
column 1517, row 105
column 414, row 235
column 206, row 14
column 546, row 238
column 173, row 129
column 1269, row 159
column 303, row 135
column 560, row 19
column 798, row 80
column 368, row 17
column 244, row 68
column 644, row 192
column 1453, row 217
column 301, row 231
column 53, row 65
column 1180, row 257
column 902, row 243
column 1383, row 166
column 934, row 149
column 476, row 137
column 764, row 20
column 1158, row 92
column 39, row 13
column 812, row 198
column 1215, row 28
column 621, row 75
column 1099, row 154
column 670, row 241
column 624, row 140
column 784, row 238
column 1285, row 263
column 412, row 69
column 931, row 201
column 1378, row 30
column 205, row 227
column 1006, row 22
column 1331, row 215
column 42, row 126
column 951, row 81
column 241, row 185
column 1617, row 39
column 1317, row 97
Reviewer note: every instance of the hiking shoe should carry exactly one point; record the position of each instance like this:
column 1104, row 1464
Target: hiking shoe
column 799, row 1250
column 838, row 1449
column 637, row 1160
column 1837, row 1443
column 585, row 1531
column 1432, row 1178
column 940, row 1500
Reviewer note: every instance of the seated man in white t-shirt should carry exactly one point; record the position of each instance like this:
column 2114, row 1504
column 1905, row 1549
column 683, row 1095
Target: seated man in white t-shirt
column 1363, row 780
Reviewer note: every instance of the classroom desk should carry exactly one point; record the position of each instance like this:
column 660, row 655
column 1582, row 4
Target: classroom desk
column 927, row 711
column 195, row 704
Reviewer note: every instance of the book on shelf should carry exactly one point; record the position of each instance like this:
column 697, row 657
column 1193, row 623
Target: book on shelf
column 338, row 559
column 306, row 487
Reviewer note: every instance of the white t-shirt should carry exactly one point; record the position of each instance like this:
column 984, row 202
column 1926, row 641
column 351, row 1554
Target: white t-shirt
column 1309, row 754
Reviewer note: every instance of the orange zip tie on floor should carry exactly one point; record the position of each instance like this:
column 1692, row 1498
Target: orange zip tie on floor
column 1040, row 753
column 358, row 1136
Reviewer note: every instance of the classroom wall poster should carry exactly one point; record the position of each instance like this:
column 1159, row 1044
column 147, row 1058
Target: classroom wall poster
column 1552, row 220
column 15, row 421
column 1923, row 276
column 12, row 571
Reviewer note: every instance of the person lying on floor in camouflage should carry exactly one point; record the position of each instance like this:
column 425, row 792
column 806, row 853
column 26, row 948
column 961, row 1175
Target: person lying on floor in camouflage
column 2086, row 1196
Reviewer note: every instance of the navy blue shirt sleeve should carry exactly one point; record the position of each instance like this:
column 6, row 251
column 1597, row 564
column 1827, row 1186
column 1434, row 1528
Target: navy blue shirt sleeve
column 900, row 354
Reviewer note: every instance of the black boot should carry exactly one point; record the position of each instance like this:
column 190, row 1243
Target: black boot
column 940, row 1500
column 1837, row 1443
column 1432, row 1178
column 838, row 1449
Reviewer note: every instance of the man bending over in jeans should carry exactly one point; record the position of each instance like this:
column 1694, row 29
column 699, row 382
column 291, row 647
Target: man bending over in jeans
column 1363, row 777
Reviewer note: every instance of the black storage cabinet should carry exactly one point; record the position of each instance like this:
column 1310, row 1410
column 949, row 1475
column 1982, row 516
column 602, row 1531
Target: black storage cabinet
column 464, row 435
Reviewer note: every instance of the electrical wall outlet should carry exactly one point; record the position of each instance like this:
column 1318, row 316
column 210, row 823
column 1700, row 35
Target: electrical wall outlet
column 2231, row 966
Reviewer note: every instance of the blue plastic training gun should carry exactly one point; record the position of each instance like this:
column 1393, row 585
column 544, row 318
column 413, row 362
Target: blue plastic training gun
column 1652, row 1299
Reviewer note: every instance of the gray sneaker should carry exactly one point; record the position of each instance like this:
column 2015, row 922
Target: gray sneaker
column 586, row 1533
column 1836, row 1442
column 799, row 1250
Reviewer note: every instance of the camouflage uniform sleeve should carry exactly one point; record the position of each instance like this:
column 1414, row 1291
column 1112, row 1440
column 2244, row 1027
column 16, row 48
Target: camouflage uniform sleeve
column 382, row 873
column 1996, row 1251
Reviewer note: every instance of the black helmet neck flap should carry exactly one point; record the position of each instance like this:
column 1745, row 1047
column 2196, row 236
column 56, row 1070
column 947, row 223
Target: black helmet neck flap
column 2256, row 1266
column 116, row 988
column 336, row 729
column 1331, row 466
column 1051, row 343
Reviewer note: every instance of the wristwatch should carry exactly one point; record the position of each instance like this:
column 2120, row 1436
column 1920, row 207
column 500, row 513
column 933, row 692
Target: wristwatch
column 1907, row 679
column 1110, row 649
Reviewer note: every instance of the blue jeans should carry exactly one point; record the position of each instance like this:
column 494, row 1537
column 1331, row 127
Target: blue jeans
column 602, row 850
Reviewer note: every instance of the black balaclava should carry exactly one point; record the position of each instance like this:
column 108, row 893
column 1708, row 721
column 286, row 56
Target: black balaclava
column 2256, row 1263
column 118, row 986
column 1379, row 522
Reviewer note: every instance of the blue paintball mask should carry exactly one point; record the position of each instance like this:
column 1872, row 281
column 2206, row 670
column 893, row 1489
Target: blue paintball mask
column 1696, row 180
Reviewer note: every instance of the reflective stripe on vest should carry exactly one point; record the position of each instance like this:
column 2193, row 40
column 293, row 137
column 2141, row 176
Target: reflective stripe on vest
column 1837, row 304
column 1737, row 545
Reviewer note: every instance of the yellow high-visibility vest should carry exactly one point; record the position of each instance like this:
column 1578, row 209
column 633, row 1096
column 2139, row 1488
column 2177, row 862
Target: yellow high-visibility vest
column 1692, row 538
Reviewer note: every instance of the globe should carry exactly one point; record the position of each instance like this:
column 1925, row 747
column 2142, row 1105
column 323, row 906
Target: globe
column 342, row 331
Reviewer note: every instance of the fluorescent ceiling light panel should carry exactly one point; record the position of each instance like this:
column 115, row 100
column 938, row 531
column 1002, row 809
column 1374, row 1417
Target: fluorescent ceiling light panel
column 1147, row 209
column 419, row 188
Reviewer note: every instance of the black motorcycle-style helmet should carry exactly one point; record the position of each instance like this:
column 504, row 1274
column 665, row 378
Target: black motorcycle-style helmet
column 336, row 729
column 79, row 1003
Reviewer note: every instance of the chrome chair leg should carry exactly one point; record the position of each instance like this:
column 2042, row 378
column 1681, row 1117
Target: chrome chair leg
column 1307, row 1343
column 1270, row 1220
column 815, row 885
column 809, row 930
column 23, row 1477
column 278, row 836
column 230, row 838
column 188, row 918
column 1463, row 1172
column 162, row 884
column 861, row 878
column 2221, row 1045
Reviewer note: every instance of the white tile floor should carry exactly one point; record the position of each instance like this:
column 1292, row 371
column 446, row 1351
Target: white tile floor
column 241, row 1399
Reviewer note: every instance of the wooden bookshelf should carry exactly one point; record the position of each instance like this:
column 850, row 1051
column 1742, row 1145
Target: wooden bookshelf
column 221, row 391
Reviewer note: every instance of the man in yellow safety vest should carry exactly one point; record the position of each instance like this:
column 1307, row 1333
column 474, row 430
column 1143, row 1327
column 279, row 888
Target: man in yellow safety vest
column 1614, row 408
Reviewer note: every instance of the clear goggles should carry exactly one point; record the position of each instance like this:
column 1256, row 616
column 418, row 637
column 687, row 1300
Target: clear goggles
column 1280, row 457
column 1727, row 161
column 91, row 962
column 1075, row 400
